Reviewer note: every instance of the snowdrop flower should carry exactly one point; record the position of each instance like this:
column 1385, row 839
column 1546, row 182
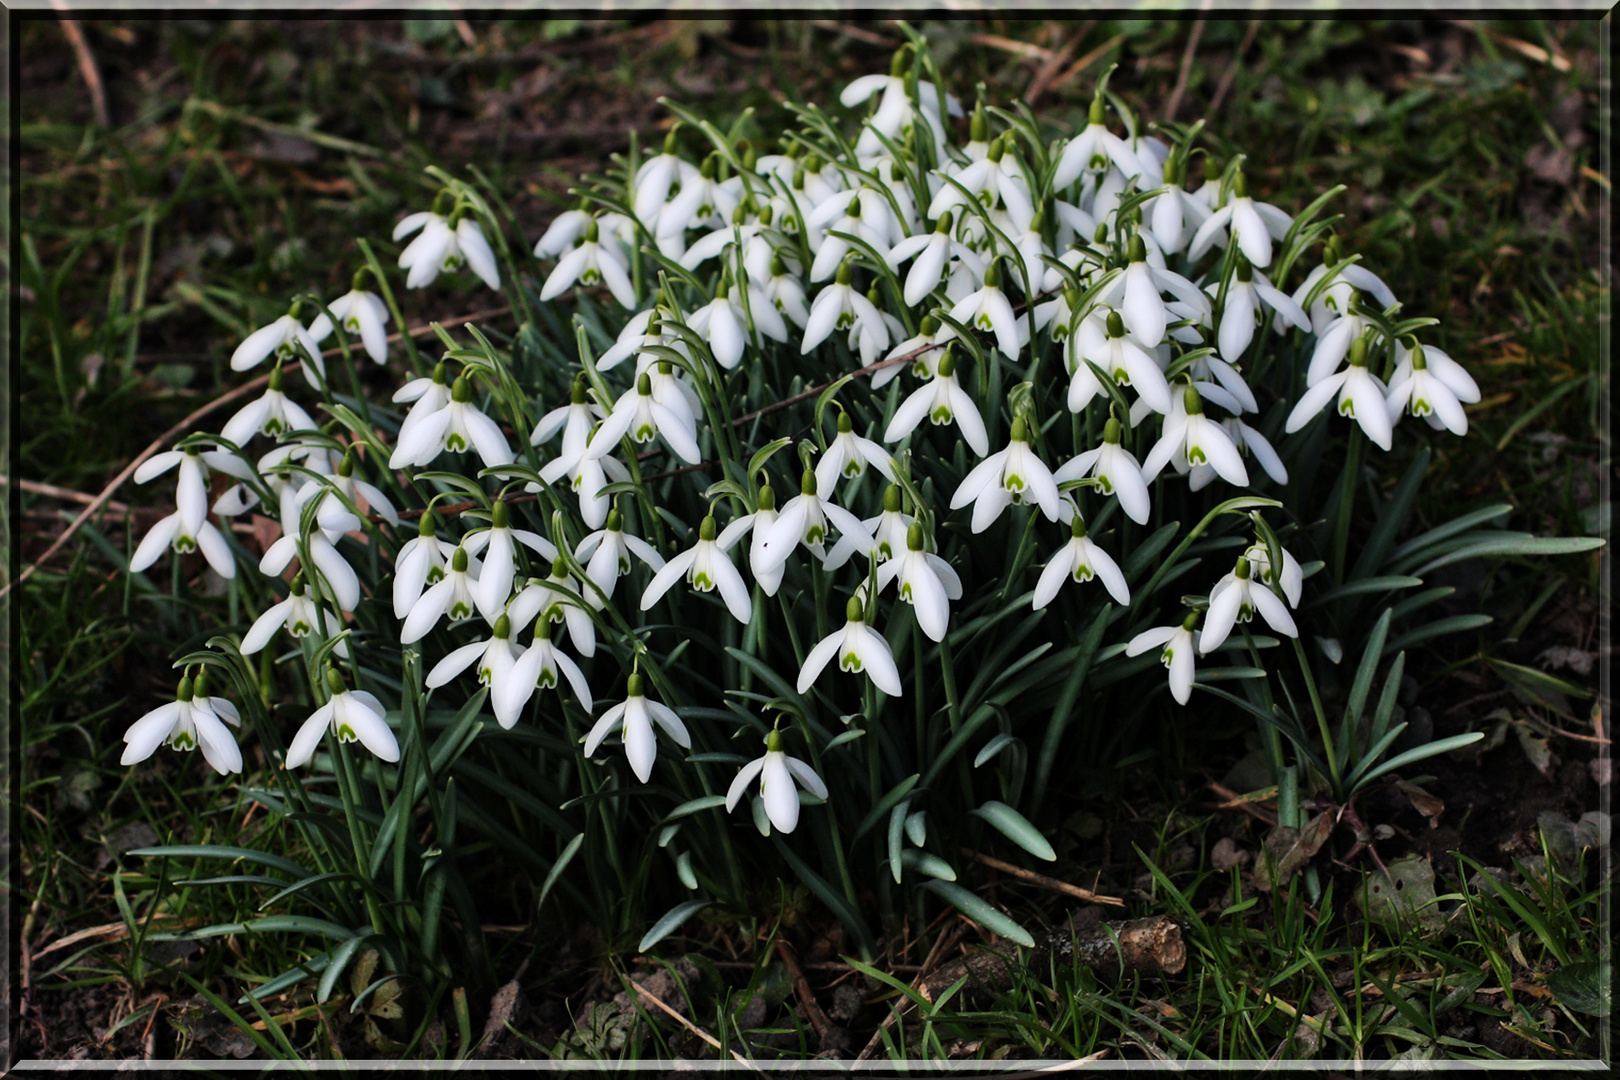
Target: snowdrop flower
column 639, row 333
column 1293, row 575
column 351, row 715
column 1234, row 599
column 193, row 720
column 363, row 315
column 923, row 350
column 1116, row 471
column 989, row 309
column 271, row 414
column 927, row 583
column 453, row 594
column 805, row 520
column 1334, row 344
column 1334, row 300
column 299, row 615
column 932, row 252
column 706, row 566
column 588, row 476
column 994, row 180
column 891, row 528
column 896, row 111
column 188, row 528
column 420, row 563
column 651, row 184
column 633, row 718
column 564, row 229
column 608, row 551
column 538, row 668
column 636, row 414
column 864, row 214
column 1231, row 392
column 445, row 244
column 838, row 307
column 1245, row 295
column 1136, row 295
column 858, row 648
column 499, row 546
column 459, row 426
column 1191, row 438
column 360, row 493
column 1080, row 560
column 702, row 200
column 848, row 455
column 767, row 573
column 1249, row 442
column 1093, row 150
column 1013, row 475
column 777, row 773
column 1361, row 397
column 868, row 338
column 495, row 658
column 591, row 263
column 1255, row 223
column 429, row 396
column 574, row 420
column 557, row 597
column 750, row 231
column 723, row 322
column 1121, row 359
column 1168, row 214
column 1179, row 644
column 786, row 293
column 1432, row 385
column 281, row 339
column 342, row 583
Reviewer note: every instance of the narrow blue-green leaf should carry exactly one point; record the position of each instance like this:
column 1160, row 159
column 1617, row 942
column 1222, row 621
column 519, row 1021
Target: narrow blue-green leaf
column 558, row 867
column 1427, row 750
column 847, row 737
column 1366, row 585
column 340, row 957
column 1535, row 545
column 981, row 912
column 671, row 922
column 885, row 804
column 1015, row 827
column 215, row 851
column 932, row 865
column 692, row 806
column 230, row 1014
column 1456, row 624
column 994, row 747
column 897, row 822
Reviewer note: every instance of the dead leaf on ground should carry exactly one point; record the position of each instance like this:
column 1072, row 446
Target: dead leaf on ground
column 1287, row 851
column 1423, row 802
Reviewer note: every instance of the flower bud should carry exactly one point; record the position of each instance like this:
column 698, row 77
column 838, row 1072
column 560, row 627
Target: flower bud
column 1358, row 352
column 807, row 482
column 1138, row 249
column 845, row 424
column 184, row 691
column 1095, row 115
column 345, row 467
column 943, row 225
column 1111, row 431
column 644, row 384
column 773, row 742
column 846, row 271
column 947, row 363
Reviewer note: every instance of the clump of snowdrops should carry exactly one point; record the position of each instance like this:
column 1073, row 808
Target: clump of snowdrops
column 822, row 510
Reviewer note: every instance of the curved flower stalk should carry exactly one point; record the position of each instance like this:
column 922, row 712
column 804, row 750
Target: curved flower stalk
column 281, row 339
column 1013, row 475
column 608, row 551
column 538, row 668
column 1178, row 644
column 805, row 520
column 272, row 414
column 780, row 778
column 942, row 400
column 351, row 716
column 455, row 596
column 498, row 544
column 1430, row 384
column 859, row 648
column 633, row 720
column 1234, row 599
column 362, row 314
column 1191, row 438
column 192, row 721
column 1116, row 471
column 1080, row 560
column 458, row 426
column 1361, row 397
column 706, row 567
column 927, row 582
column 445, row 244
column 299, row 616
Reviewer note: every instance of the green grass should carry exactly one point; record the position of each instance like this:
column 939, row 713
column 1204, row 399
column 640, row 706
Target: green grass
column 246, row 156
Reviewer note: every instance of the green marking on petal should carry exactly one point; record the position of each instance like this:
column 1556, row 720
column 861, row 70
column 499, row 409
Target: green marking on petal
column 849, row 662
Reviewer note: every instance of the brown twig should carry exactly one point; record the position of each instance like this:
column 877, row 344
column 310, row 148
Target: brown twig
column 1085, row 61
column 1235, row 801
column 807, row 997
column 87, row 66
column 856, row 32
column 1231, row 69
column 1186, row 70
column 684, row 1022
column 1041, row 879
column 1048, row 70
